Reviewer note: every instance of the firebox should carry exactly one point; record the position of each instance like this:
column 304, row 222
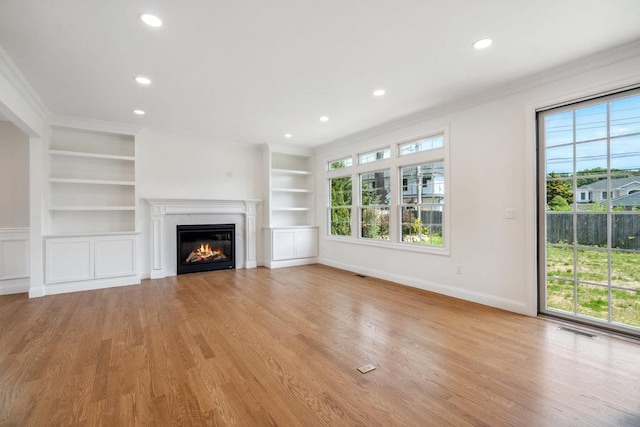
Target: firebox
column 205, row 247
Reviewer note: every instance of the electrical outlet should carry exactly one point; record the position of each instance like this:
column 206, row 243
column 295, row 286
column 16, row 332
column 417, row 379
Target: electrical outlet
column 458, row 269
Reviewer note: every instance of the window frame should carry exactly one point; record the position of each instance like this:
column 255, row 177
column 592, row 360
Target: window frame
column 420, row 186
column 378, row 206
column 394, row 164
column 330, row 206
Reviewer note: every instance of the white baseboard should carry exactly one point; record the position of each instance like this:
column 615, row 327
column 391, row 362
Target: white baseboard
column 477, row 297
column 290, row 262
column 89, row 285
column 36, row 292
column 14, row 286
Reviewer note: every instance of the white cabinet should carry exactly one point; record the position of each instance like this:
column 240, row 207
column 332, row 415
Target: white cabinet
column 85, row 262
column 69, row 259
column 90, row 232
column 294, row 243
column 290, row 233
column 115, row 256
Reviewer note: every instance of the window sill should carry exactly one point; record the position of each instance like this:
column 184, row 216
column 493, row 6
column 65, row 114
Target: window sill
column 386, row 244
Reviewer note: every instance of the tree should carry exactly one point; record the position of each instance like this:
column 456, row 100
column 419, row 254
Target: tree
column 341, row 216
column 558, row 203
column 560, row 188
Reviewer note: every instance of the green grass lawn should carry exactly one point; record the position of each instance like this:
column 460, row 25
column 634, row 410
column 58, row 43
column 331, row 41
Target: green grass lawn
column 593, row 300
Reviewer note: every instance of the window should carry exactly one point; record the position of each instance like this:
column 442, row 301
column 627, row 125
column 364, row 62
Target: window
column 393, row 196
column 424, row 144
column 422, row 205
column 374, row 156
column 340, row 210
column 375, row 198
column 339, row 164
column 590, row 251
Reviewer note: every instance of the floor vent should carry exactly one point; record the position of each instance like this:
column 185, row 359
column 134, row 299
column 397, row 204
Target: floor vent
column 577, row 332
column 360, row 275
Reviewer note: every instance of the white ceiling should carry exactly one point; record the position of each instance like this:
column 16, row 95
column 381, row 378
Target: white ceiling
column 249, row 71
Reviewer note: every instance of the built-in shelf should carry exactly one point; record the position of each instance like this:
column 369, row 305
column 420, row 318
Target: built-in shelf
column 89, row 181
column 92, row 208
column 91, row 155
column 292, row 171
column 90, row 238
column 290, row 235
column 291, row 209
column 92, row 182
column 292, row 190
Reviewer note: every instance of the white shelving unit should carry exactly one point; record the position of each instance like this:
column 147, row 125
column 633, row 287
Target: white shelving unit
column 92, row 182
column 91, row 238
column 290, row 231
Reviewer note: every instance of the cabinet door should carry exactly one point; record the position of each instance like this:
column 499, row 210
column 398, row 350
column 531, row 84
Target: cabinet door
column 69, row 259
column 116, row 256
column 283, row 245
column 305, row 243
column 292, row 244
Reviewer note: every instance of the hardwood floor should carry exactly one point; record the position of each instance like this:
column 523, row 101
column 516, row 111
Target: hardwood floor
column 281, row 347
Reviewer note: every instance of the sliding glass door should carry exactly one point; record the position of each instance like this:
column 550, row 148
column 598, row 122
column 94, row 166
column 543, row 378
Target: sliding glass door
column 589, row 218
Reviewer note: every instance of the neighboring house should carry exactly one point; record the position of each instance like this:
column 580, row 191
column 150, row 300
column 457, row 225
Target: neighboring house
column 597, row 191
column 423, row 189
column 627, row 203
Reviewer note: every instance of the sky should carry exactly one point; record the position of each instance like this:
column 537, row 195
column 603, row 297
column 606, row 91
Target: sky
column 592, row 135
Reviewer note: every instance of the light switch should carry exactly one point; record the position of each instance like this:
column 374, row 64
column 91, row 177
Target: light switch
column 510, row 213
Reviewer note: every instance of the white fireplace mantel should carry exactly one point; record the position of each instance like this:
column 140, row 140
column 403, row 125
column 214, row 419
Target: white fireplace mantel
column 161, row 208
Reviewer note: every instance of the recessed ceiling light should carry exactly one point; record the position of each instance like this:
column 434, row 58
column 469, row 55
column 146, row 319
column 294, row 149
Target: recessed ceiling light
column 138, row 112
column 324, row 119
column 482, row 43
column 143, row 80
column 379, row 92
column 288, row 135
column 150, row 20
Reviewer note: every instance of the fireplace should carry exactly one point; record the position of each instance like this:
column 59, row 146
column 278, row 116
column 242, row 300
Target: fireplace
column 205, row 247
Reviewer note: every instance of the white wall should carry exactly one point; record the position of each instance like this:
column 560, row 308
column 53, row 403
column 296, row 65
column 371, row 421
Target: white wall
column 169, row 166
column 14, row 177
column 492, row 167
column 14, row 209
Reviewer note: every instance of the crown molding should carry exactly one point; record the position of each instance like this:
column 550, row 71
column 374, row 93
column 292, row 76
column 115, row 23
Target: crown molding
column 57, row 120
column 13, row 74
column 287, row 149
column 582, row 65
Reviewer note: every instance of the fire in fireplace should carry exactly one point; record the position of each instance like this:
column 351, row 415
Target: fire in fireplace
column 205, row 247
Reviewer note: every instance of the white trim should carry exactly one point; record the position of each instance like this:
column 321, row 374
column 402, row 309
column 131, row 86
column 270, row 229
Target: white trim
column 160, row 208
column 290, row 263
column 13, row 74
column 394, row 164
column 14, row 286
column 288, row 149
column 19, row 281
column 477, row 297
column 531, row 203
column 11, row 230
column 386, row 244
column 71, row 122
column 88, row 285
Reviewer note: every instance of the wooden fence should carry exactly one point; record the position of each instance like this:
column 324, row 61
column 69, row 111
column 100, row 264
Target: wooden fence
column 592, row 230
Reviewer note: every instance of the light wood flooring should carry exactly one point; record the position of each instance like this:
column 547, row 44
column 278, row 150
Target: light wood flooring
column 281, row 347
